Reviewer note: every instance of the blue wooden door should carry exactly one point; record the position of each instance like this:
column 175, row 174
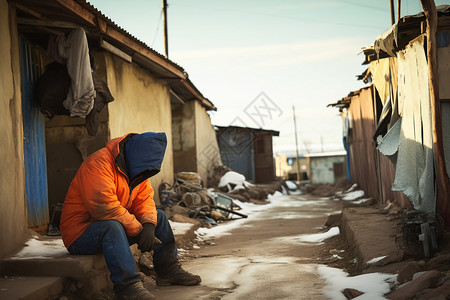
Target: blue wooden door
column 34, row 139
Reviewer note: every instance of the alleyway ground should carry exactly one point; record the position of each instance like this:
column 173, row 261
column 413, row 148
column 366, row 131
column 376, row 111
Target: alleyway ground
column 263, row 257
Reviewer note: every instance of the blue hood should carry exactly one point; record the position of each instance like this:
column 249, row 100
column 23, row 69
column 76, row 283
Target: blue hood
column 144, row 154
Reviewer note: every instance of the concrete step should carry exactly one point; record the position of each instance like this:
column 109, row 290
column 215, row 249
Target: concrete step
column 75, row 266
column 30, row 288
column 85, row 274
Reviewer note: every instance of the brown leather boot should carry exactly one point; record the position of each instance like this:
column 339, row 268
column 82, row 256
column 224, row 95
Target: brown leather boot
column 135, row 291
column 178, row 276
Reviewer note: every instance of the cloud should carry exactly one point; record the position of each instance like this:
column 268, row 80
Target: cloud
column 276, row 55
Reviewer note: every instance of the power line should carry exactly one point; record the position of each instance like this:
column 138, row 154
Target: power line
column 157, row 28
column 362, row 5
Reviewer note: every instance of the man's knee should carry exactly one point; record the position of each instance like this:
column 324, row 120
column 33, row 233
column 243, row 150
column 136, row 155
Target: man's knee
column 161, row 216
column 113, row 226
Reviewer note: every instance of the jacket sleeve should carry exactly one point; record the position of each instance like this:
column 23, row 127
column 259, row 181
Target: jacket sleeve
column 143, row 206
column 97, row 188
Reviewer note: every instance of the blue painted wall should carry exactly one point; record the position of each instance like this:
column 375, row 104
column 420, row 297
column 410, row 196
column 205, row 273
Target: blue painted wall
column 34, row 139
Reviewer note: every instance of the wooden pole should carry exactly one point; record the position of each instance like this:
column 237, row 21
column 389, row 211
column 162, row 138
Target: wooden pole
column 443, row 184
column 166, row 39
column 392, row 13
column 399, row 15
column 296, row 144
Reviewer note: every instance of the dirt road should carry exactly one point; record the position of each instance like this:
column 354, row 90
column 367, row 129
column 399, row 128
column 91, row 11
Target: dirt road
column 264, row 258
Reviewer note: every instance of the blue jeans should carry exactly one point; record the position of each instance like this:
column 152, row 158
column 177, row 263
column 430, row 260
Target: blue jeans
column 108, row 237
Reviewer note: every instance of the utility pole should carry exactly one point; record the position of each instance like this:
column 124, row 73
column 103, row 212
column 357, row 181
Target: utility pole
column 296, row 145
column 392, row 12
column 442, row 179
column 166, row 41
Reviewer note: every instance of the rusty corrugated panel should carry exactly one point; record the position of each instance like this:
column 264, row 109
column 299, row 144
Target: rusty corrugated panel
column 362, row 147
column 364, row 155
column 387, row 175
column 264, row 165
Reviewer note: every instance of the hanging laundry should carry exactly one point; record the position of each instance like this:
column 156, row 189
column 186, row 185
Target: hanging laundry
column 74, row 49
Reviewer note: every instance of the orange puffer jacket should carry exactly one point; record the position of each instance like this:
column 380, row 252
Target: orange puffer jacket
column 101, row 191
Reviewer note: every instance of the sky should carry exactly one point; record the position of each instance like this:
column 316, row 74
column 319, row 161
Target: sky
column 257, row 61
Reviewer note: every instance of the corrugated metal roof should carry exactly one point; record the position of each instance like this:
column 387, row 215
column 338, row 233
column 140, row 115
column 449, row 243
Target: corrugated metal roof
column 400, row 34
column 272, row 132
column 38, row 15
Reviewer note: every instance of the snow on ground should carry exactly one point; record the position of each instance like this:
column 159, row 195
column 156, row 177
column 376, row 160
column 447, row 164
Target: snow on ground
column 352, row 188
column 309, row 238
column 231, row 177
column 291, row 185
column 180, row 228
column 247, row 208
column 42, row 249
column 353, row 195
column 373, row 285
column 319, row 237
column 376, row 259
column 362, row 201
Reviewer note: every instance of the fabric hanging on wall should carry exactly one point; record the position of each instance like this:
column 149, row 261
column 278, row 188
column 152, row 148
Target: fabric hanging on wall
column 388, row 144
column 445, row 110
column 414, row 172
column 380, row 77
column 74, row 49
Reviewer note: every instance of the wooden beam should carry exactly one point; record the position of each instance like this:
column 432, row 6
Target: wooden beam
column 443, row 183
column 29, row 11
column 144, row 51
column 79, row 10
column 46, row 23
column 96, row 21
column 107, row 46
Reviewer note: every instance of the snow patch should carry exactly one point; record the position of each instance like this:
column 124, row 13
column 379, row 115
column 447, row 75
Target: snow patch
column 291, row 185
column 376, row 259
column 353, row 195
column 233, row 178
column 352, row 188
column 42, row 249
column 319, row 237
column 373, row 285
column 180, row 228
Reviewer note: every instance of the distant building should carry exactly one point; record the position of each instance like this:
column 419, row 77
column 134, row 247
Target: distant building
column 286, row 167
column 248, row 151
column 326, row 168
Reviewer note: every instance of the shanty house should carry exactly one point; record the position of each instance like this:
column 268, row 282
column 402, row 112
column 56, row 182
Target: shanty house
column 138, row 91
column 406, row 113
column 248, row 151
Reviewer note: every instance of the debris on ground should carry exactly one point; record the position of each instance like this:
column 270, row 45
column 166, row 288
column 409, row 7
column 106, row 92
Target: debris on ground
column 417, row 246
column 189, row 197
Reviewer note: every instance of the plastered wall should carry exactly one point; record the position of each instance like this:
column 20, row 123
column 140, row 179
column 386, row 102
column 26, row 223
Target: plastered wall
column 13, row 222
column 322, row 169
column 208, row 154
column 184, row 136
column 142, row 103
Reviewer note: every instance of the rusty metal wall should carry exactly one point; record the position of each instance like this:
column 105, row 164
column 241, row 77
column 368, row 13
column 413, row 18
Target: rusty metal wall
column 373, row 171
column 362, row 147
column 264, row 163
column 387, row 175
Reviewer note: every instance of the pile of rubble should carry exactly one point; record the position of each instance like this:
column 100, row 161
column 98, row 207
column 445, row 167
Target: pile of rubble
column 189, row 199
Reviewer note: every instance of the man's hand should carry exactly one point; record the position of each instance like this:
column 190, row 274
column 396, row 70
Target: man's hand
column 147, row 238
